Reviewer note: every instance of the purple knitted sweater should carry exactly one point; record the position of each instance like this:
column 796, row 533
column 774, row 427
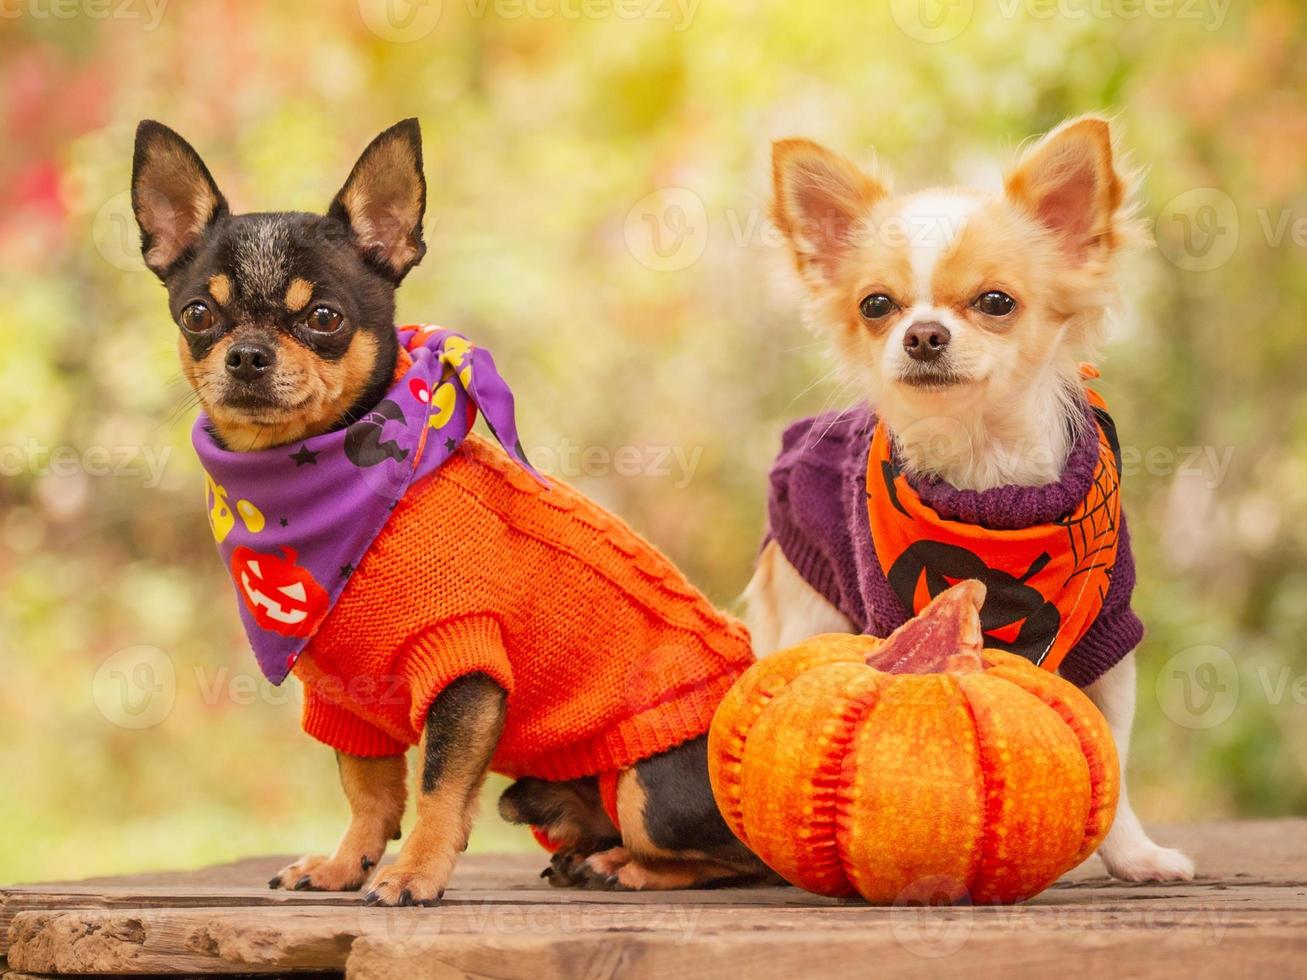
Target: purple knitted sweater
column 817, row 514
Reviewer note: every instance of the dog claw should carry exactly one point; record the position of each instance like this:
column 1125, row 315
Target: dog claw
column 367, row 863
column 303, row 884
column 371, row 898
column 275, row 882
column 406, row 897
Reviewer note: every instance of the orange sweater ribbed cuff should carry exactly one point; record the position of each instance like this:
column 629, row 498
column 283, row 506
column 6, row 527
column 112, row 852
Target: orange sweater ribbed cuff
column 344, row 731
column 444, row 653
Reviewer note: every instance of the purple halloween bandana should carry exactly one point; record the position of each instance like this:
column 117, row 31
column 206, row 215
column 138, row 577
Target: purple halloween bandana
column 293, row 522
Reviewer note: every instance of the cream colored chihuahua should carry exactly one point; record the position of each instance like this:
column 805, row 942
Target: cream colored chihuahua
column 981, row 452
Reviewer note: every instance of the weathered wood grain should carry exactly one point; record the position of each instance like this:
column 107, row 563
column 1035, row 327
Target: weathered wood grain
column 761, row 955
column 108, row 897
column 464, row 936
column 1247, row 914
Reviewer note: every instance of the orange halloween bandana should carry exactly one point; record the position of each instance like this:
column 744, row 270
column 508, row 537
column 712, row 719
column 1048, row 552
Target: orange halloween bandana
column 1046, row 583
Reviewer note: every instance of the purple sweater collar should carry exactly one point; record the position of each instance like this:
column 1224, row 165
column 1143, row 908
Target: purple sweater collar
column 1011, row 507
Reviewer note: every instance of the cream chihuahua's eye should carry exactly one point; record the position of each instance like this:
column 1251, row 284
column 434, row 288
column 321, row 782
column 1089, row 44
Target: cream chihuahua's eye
column 995, row 303
column 323, row 319
column 197, row 318
column 877, row 305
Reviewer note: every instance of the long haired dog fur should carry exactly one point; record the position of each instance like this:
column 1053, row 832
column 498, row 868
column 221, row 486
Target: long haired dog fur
column 963, row 317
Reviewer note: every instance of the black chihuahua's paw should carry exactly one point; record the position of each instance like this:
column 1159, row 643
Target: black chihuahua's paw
column 400, row 886
column 316, row 873
column 600, row 871
column 570, row 866
column 567, row 869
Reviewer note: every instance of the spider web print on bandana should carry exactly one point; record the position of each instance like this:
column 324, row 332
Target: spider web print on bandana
column 1092, row 531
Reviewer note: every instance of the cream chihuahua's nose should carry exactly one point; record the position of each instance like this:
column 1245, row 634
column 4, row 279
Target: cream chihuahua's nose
column 925, row 341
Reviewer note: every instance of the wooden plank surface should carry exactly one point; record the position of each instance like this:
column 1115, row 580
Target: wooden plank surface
column 1230, row 927
column 873, row 952
column 480, row 879
column 1246, row 913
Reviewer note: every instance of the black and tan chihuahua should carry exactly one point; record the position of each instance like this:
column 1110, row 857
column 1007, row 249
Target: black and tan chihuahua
column 286, row 331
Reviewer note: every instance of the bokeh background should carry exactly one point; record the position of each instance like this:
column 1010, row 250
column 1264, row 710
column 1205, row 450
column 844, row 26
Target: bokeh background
column 598, row 172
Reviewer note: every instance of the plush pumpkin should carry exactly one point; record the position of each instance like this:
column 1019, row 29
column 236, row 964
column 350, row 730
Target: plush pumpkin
column 918, row 768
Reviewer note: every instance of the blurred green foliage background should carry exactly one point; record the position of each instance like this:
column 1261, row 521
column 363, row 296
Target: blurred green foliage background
column 134, row 731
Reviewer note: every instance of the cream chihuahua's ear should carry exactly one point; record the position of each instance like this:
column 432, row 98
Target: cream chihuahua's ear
column 383, row 201
column 173, row 195
column 1069, row 182
column 819, row 199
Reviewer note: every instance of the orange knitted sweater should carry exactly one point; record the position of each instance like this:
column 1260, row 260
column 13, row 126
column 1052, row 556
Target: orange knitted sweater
column 608, row 654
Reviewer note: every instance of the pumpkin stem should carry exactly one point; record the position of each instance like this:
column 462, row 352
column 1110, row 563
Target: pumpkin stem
column 943, row 637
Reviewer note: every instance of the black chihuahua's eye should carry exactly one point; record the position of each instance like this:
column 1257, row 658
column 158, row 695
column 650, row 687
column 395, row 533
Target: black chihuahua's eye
column 995, row 303
column 323, row 319
column 877, row 305
column 197, row 318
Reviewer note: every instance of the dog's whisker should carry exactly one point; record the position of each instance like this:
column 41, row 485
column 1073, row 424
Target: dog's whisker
column 821, row 380
column 838, row 394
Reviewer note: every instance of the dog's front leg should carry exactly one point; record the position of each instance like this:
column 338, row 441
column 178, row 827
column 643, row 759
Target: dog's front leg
column 458, row 742
column 375, row 791
column 782, row 609
column 1127, row 851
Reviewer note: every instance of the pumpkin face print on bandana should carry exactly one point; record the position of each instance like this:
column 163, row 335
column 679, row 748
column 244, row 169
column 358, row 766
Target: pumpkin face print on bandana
column 280, row 594
column 1016, row 616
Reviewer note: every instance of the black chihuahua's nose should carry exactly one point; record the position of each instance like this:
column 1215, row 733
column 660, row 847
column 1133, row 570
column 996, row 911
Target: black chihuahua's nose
column 248, row 361
column 926, row 341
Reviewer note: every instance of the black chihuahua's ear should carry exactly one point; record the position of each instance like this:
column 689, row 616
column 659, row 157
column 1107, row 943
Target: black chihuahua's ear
column 383, row 200
column 173, row 195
